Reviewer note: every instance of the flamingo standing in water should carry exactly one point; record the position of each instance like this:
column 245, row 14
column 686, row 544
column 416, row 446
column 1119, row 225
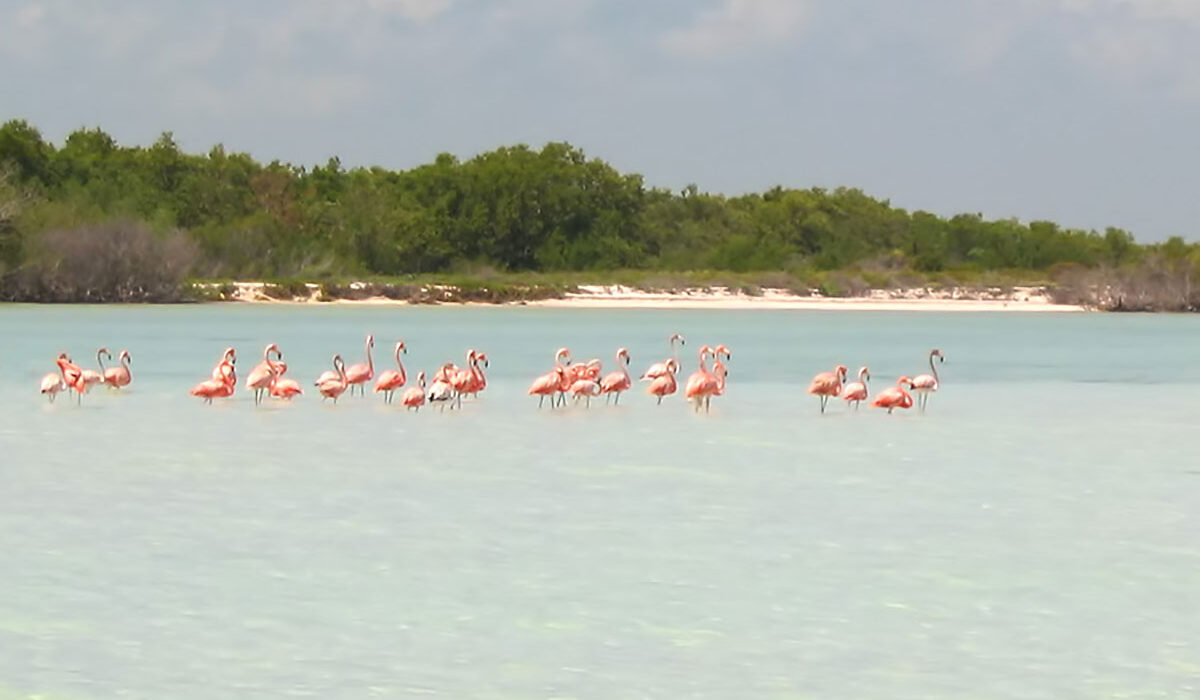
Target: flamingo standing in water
column 925, row 384
column 332, row 388
column 283, row 387
column 616, row 382
column 464, row 379
column 549, row 384
column 664, row 385
column 827, row 385
column 894, row 397
column 479, row 380
column 701, row 383
column 119, row 377
column 261, row 377
column 72, row 376
column 52, row 384
column 659, row 369
column 92, row 377
column 856, row 392
column 359, row 374
column 442, row 391
column 414, row 396
column 210, row 389
column 392, row 379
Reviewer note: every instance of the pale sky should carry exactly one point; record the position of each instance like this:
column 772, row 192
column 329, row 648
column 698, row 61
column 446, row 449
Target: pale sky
column 1086, row 112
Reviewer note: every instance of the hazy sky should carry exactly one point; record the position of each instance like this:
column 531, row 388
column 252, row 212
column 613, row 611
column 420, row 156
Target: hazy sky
column 1082, row 111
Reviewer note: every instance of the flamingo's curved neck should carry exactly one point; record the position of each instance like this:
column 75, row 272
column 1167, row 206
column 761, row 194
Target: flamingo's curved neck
column 719, row 372
column 703, row 367
column 674, row 348
column 400, row 366
column 624, row 368
column 100, row 360
column 125, row 361
column 933, row 368
column 370, row 362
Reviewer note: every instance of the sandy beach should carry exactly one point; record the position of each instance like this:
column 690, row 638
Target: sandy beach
column 1018, row 299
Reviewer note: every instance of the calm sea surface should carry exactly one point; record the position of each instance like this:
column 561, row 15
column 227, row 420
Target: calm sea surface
column 1036, row 534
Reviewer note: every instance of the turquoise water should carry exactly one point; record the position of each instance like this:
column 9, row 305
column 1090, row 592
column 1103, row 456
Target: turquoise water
column 1035, row 535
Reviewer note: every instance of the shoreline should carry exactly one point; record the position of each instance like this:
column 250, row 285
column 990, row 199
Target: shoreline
column 1016, row 300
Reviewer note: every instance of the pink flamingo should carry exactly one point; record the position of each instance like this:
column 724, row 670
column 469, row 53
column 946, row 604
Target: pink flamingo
column 719, row 368
column 358, row 375
column 616, row 382
column 414, row 396
column 660, row 368
column 210, row 389
column 464, row 379
column 53, row 383
column 392, row 379
column 702, row 384
column 828, row 384
column 894, row 397
column 333, row 388
column 72, row 376
column 119, row 377
column 442, row 391
column 925, row 384
column 664, row 385
column 90, row 376
column 562, row 361
column 263, row 374
column 856, row 392
column 585, row 388
column 283, row 387
column 480, row 381
column 228, row 357
column 549, row 384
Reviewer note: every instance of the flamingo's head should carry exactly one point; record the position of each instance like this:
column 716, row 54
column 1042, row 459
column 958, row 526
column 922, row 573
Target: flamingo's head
column 400, row 347
column 623, row 352
column 371, row 340
column 672, row 366
column 338, row 362
column 280, row 367
column 105, row 352
column 482, row 357
column 563, row 354
column 125, row 356
column 62, row 357
column 675, row 337
column 938, row 354
column 864, row 373
column 722, row 350
column 841, row 372
column 904, row 380
column 421, row 379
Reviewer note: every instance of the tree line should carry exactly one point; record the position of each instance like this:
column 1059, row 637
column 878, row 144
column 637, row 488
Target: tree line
column 66, row 207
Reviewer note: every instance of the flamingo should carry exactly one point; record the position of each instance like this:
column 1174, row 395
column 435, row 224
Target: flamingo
column 53, row 383
column 359, row 374
column 414, row 396
column 925, row 384
column 828, row 384
column 210, row 389
column 118, row 377
column 856, row 392
column 90, row 376
column 442, row 392
column 72, row 376
column 283, row 387
column 664, row 385
column 894, row 397
column 660, row 368
column 548, row 384
column 585, row 388
column 480, row 382
column 464, row 379
column 333, row 388
column 228, row 357
column 702, row 384
column 616, row 382
column 392, row 379
column 263, row 374
column 719, row 368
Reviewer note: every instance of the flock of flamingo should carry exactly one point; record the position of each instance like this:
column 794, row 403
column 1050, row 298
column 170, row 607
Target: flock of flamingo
column 580, row 382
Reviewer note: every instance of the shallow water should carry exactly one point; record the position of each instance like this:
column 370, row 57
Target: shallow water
column 1034, row 535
